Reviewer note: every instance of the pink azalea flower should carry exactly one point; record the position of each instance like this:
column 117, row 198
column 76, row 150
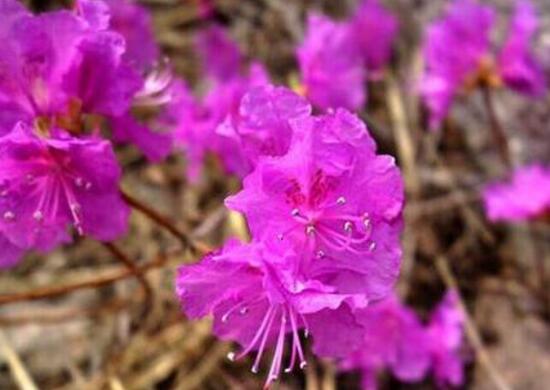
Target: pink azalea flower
column 262, row 123
column 334, row 200
column 458, row 56
column 445, row 332
column 518, row 67
column 374, row 29
column 331, row 66
column 394, row 338
column 219, row 55
column 48, row 184
column 133, row 22
column 197, row 121
column 525, row 196
column 269, row 304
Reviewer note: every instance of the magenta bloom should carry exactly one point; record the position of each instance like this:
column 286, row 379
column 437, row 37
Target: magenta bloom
column 48, row 184
column 394, row 338
column 133, row 22
column 527, row 195
column 458, row 56
column 445, row 332
column 453, row 51
column 198, row 120
column 374, row 29
column 262, row 124
column 518, row 67
column 219, row 55
column 259, row 301
column 331, row 66
column 334, row 200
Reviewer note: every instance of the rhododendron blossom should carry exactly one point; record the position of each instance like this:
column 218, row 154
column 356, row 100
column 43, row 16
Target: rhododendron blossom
column 526, row 195
column 259, row 301
column 394, row 338
column 48, row 184
column 374, row 29
column 332, row 70
column 334, row 199
column 445, row 332
column 458, row 56
column 197, row 119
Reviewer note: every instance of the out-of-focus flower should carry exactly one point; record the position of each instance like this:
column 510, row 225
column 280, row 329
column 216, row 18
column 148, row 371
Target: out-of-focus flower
column 518, row 67
column 374, row 28
column 394, row 338
column 66, row 69
column 262, row 124
column 257, row 299
column 525, row 196
column 220, row 56
column 334, row 200
column 197, row 119
column 458, row 56
column 47, row 184
column 445, row 331
column 331, row 65
column 133, row 22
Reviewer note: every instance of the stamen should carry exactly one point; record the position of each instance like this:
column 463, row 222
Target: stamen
column 9, row 216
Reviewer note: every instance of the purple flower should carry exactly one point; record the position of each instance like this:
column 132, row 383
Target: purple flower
column 458, row 56
column 198, row 119
column 518, row 68
column 334, row 200
column 394, row 338
column 133, row 22
column 445, row 331
column 47, row 184
column 525, row 196
column 258, row 300
column 262, row 124
column 453, row 51
column 331, row 66
column 219, row 55
column 374, row 29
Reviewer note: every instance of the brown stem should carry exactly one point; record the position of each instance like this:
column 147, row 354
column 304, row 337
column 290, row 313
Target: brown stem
column 496, row 129
column 155, row 216
column 54, row 291
column 147, row 290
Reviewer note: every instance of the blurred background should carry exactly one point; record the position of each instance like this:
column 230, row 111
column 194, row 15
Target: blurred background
column 99, row 337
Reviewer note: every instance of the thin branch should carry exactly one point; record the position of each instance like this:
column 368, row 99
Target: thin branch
column 165, row 222
column 471, row 330
column 496, row 129
column 54, row 291
column 147, row 290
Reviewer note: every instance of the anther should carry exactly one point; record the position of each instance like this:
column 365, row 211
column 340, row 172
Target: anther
column 231, row 356
column 348, row 226
column 295, row 212
column 341, row 200
column 310, row 229
column 38, row 216
column 9, row 216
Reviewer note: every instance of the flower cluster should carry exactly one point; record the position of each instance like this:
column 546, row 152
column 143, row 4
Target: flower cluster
column 458, row 56
column 396, row 340
column 324, row 212
column 526, row 196
column 335, row 58
column 64, row 74
column 199, row 122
